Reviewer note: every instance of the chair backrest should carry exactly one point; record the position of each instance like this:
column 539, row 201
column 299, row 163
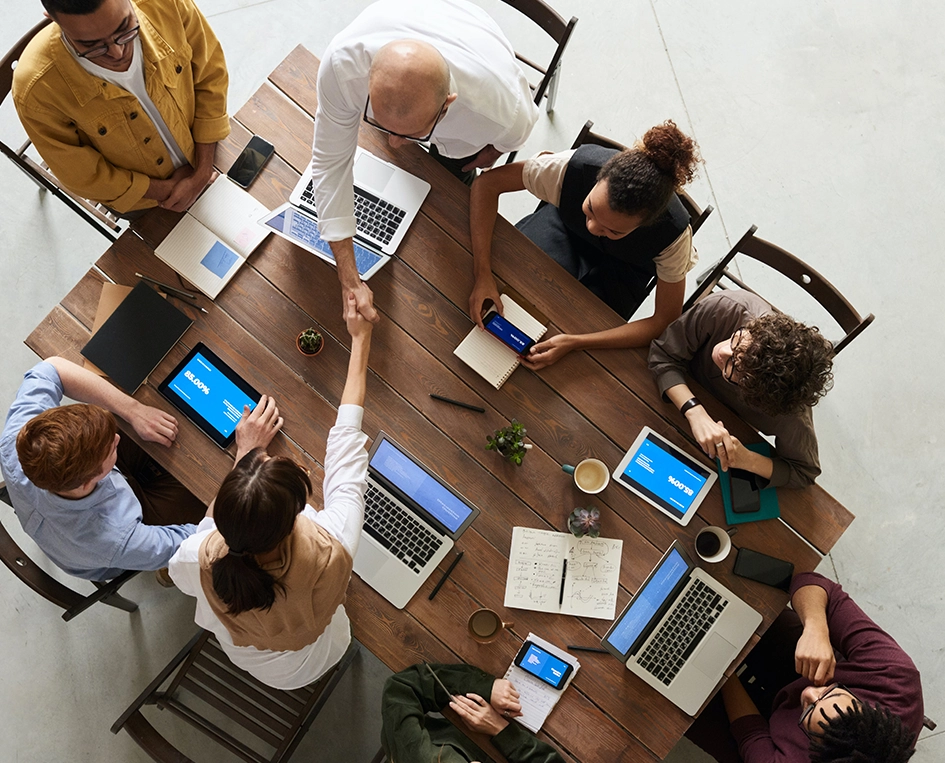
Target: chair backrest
column 8, row 62
column 555, row 27
column 798, row 271
column 211, row 693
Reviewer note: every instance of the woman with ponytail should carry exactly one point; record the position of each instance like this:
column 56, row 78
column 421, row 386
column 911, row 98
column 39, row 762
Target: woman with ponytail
column 611, row 218
column 269, row 572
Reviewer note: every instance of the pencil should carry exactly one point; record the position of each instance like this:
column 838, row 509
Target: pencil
column 438, row 586
column 456, row 402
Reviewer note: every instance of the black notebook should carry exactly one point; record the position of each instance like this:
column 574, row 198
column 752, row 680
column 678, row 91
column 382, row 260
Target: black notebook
column 136, row 337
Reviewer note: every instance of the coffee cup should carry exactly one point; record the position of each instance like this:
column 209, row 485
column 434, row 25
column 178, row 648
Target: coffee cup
column 590, row 476
column 713, row 544
column 485, row 625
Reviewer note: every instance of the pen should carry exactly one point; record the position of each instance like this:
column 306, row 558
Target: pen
column 168, row 289
column 564, row 574
column 438, row 586
column 456, row 402
column 201, row 309
column 575, row 648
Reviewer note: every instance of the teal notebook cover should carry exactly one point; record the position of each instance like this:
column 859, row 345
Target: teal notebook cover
column 769, row 496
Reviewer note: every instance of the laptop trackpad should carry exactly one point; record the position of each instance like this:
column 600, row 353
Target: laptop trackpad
column 372, row 174
column 715, row 655
column 369, row 560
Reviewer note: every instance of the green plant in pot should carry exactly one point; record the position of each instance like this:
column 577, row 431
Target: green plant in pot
column 583, row 522
column 310, row 342
column 509, row 442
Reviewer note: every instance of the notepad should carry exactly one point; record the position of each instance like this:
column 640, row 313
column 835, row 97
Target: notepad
column 489, row 357
column 769, row 495
column 537, row 698
column 536, row 564
column 215, row 237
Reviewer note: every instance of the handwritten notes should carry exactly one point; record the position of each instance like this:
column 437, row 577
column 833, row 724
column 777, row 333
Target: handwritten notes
column 536, row 570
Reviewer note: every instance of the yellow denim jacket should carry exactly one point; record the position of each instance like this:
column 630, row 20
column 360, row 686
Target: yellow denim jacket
column 95, row 136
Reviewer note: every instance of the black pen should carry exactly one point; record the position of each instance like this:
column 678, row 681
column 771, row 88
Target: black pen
column 167, row 289
column 438, row 586
column 564, row 574
column 456, row 402
column 575, row 648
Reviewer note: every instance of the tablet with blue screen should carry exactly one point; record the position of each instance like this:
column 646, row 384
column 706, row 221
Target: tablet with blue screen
column 664, row 476
column 209, row 393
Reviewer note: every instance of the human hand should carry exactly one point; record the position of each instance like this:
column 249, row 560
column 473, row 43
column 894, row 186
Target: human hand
column 479, row 715
column 364, row 298
column 547, row 352
column 257, row 427
column 185, row 192
column 359, row 327
column 813, row 657
column 484, row 290
column 712, row 436
column 153, row 424
column 505, row 698
column 484, row 159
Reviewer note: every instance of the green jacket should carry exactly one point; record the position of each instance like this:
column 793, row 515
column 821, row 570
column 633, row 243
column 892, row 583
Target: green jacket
column 410, row 736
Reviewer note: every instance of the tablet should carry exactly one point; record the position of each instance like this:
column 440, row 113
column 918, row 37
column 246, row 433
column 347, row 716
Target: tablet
column 663, row 475
column 209, row 393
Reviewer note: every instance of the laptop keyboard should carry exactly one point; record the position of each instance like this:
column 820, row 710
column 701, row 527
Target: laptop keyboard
column 682, row 631
column 395, row 528
column 375, row 218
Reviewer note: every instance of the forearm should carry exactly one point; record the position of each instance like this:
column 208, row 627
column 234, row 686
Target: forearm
column 737, row 702
column 82, row 385
column 343, row 251
column 636, row 334
column 810, row 604
column 204, row 158
column 483, row 210
column 356, row 381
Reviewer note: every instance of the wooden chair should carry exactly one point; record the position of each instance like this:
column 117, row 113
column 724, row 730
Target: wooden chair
column 73, row 602
column 208, row 688
column 98, row 216
column 792, row 268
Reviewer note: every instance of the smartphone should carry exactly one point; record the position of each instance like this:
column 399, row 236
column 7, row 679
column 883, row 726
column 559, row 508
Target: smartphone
column 249, row 163
column 746, row 495
column 543, row 665
column 765, row 569
column 505, row 332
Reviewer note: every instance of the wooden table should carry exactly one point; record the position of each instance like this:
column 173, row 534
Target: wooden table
column 588, row 404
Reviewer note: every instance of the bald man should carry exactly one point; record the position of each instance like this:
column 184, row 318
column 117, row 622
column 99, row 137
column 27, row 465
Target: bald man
column 437, row 71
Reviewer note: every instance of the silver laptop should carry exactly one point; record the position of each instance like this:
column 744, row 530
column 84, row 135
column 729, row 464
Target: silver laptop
column 386, row 200
column 411, row 521
column 681, row 631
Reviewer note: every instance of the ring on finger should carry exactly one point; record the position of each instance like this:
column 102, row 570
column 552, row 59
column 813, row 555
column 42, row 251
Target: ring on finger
column 718, row 446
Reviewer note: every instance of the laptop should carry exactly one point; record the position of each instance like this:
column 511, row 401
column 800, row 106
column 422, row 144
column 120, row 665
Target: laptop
column 681, row 630
column 386, row 200
column 411, row 521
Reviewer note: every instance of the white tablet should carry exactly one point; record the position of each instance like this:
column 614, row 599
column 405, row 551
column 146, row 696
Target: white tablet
column 663, row 475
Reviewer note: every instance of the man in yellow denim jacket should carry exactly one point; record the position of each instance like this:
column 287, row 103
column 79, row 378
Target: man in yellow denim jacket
column 75, row 92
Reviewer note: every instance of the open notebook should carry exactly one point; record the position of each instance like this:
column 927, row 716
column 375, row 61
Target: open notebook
column 489, row 357
column 215, row 237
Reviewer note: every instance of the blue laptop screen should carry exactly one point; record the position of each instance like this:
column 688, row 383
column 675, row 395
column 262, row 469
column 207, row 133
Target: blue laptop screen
column 659, row 473
column 304, row 229
column 214, row 397
column 647, row 602
column 412, row 479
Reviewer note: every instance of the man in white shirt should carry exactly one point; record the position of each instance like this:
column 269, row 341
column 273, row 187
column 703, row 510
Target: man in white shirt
column 418, row 70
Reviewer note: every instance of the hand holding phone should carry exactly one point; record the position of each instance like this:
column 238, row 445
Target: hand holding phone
column 543, row 665
column 506, row 333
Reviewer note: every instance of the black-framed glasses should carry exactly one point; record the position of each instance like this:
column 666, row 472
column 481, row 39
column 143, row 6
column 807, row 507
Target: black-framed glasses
column 368, row 120
column 829, row 692
column 123, row 39
column 728, row 370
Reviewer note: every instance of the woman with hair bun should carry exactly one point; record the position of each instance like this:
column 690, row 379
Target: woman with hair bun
column 610, row 218
column 269, row 572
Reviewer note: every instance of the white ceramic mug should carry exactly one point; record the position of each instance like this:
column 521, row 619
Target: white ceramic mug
column 713, row 544
column 590, row 476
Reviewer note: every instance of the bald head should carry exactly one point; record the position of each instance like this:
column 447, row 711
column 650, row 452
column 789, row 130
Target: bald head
column 409, row 80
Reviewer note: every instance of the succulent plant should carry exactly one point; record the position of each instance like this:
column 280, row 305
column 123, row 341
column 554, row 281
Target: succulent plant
column 309, row 341
column 509, row 442
column 583, row 522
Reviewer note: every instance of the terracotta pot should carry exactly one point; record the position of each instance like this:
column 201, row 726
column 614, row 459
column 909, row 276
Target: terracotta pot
column 298, row 346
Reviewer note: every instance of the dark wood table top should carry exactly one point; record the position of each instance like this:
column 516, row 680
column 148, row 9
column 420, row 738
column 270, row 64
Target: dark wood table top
column 589, row 404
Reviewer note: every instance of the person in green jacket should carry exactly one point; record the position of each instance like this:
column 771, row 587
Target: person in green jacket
column 409, row 735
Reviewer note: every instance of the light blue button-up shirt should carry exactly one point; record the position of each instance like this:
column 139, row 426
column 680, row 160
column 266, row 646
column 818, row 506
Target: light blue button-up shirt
column 96, row 537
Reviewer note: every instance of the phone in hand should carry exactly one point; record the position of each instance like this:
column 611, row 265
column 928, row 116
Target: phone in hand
column 746, row 495
column 543, row 665
column 763, row 568
column 507, row 333
column 250, row 161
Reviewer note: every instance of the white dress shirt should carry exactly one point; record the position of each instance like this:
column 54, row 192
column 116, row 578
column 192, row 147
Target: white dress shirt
column 494, row 104
column 345, row 482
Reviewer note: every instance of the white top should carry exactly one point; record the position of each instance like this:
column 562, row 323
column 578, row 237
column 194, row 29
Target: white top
column 543, row 176
column 132, row 80
column 494, row 104
column 345, row 482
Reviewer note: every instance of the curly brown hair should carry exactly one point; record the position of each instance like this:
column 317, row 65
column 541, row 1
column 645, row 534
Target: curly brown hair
column 786, row 367
column 642, row 181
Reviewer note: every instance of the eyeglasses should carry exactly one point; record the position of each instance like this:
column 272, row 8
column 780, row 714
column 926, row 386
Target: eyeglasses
column 376, row 126
column 123, row 39
column 829, row 692
column 728, row 370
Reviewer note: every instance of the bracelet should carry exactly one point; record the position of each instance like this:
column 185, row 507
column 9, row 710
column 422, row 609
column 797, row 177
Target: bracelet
column 692, row 402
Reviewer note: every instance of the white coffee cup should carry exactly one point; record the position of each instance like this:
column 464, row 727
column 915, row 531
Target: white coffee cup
column 590, row 476
column 713, row 544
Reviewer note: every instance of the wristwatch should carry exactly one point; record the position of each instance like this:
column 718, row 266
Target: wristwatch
column 692, row 402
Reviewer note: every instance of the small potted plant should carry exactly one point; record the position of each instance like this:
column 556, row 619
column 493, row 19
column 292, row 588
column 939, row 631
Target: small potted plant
column 583, row 522
column 310, row 342
column 509, row 442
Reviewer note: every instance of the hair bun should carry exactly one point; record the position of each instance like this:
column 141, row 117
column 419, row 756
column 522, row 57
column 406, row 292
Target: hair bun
column 672, row 151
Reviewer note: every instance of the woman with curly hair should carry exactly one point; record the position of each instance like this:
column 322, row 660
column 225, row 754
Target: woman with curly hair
column 767, row 367
column 611, row 218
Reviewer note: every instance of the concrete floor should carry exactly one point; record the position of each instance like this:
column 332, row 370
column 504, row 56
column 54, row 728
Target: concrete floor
column 818, row 121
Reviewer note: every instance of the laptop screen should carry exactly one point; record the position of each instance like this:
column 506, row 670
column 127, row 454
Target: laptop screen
column 412, row 480
column 648, row 601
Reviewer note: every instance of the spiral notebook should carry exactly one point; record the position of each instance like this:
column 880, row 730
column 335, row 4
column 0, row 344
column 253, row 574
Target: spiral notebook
column 488, row 356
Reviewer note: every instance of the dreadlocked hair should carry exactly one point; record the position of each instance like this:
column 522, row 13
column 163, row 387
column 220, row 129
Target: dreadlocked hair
column 863, row 734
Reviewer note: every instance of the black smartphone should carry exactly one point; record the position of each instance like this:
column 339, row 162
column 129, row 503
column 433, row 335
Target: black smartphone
column 249, row 163
column 543, row 665
column 508, row 334
column 765, row 569
column 746, row 495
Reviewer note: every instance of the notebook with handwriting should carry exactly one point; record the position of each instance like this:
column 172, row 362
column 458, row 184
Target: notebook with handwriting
column 488, row 356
